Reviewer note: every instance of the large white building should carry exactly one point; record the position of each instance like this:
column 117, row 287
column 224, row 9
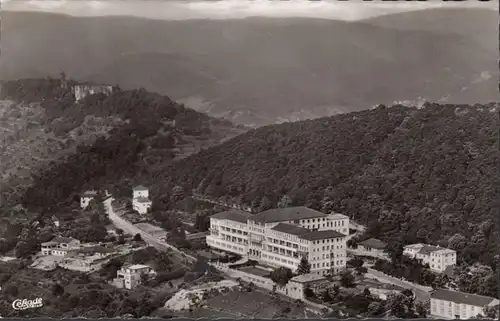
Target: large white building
column 449, row 304
column 438, row 258
column 83, row 90
column 129, row 277
column 282, row 236
column 141, row 202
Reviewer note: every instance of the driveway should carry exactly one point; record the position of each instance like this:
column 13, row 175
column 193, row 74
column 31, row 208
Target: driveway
column 421, row 294
column 131, row 229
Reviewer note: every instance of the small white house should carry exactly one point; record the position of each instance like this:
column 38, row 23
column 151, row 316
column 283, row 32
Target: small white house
column 449, row 304
column 129, row 277
column 55, row 220
column 438, row 258
column 86, row 198
column 141, row 202
column 372, row 246
column 141, row 205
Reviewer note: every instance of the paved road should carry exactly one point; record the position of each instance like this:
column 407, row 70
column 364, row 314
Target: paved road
column 421, row 294
column 131, row 229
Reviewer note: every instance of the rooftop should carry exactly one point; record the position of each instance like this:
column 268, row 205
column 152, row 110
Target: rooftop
column 374, row 243
column 233, row 215
column 90, row 193
column 290, row 229
column 321, row 235
column 287, row 214
column 306, row 278
column 137, row 267
column 337, row 216
column 139, row 188
column 462, row 297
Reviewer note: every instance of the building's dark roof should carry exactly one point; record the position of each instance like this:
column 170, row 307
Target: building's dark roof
column 290, row 229
column 90, row 193
column 233, row 215
column 321, row 235
column 374, row 243
column 142, row 200
column 461, row 297
column 428, row 249
column 287, row 214
column 140, row 188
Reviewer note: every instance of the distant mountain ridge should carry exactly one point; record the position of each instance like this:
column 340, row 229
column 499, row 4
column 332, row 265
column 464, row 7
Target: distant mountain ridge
column 258, row 71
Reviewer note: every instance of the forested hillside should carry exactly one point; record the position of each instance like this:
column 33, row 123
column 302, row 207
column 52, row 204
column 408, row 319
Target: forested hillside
column 409, row 174
column 54, row 148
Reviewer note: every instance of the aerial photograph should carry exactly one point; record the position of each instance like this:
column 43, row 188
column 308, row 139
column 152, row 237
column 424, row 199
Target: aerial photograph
column 249, row 159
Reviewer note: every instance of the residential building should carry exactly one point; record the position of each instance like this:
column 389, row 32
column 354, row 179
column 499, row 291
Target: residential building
column 282, row 236
column 130, row 276
column 60, row 246
column 141, row 202
column 141, row 205
column 83, row 90
column 86, row 198
column 372, row 246
column 450, row 304
column 438, row 258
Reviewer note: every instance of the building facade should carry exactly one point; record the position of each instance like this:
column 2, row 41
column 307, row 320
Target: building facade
column 82, row 91
column 60, row 246
column 449, row 304
column 129, row 277
column 140, row 201
column 438, row 258
column 281, row 237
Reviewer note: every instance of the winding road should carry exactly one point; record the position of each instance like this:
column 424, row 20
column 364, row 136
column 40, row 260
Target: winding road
column 421, row 293
column 129, row 228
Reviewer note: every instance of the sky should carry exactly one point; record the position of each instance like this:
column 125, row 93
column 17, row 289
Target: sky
column 227, row 9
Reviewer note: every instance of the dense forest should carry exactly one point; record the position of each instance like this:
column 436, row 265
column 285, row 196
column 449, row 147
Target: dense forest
column 411, row 175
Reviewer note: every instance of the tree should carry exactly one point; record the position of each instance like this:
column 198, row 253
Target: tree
column 281, row 276
column 326, row 296
column 492, row 312
column 57, row 289
column 401, row 306
column 308, row 292
column 355, row 262
column 202, row 222
column 265, row 204
column 137, row 237
column 422, row 309
column 285, row 201
column 366, row 292
column 347, row 279
column 304, row 266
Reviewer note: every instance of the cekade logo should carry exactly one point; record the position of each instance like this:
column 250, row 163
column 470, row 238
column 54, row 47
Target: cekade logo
column 27, row 304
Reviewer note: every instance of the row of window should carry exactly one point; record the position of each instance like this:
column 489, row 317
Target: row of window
column 278, row 259
column 327, row 264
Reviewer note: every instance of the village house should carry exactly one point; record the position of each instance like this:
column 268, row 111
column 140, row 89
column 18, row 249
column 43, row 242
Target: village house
column 140, row 201
column 60, row 246
column 55, row 221
column 281, row 237
column 438, row 258
column 83, row 90
column 86, row 198
column 129, row 277
column 449, row 304
column 372, row 246
column 87, row 259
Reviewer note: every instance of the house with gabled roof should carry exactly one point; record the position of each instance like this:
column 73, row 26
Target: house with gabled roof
column 438, row 258
column 60, row 246
column 140, row 201
column 448, row 304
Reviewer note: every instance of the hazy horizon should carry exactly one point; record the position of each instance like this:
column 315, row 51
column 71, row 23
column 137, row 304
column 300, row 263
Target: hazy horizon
column 230, row 9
